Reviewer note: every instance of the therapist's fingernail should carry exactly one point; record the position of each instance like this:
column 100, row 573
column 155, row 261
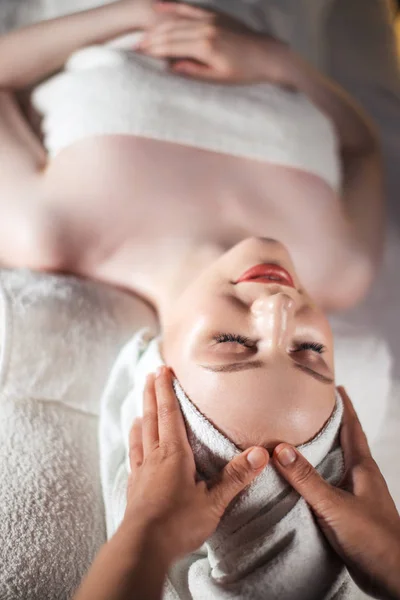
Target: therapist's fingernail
column 342, row 390
column 257, row 458
column 286, row 456
column 159, row 371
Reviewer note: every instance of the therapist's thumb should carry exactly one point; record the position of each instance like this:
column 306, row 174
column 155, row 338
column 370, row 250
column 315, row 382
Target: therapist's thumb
column 302, row 476
column 237, row 474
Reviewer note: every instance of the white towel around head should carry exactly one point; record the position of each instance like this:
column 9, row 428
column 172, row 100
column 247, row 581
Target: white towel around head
column 267, row 541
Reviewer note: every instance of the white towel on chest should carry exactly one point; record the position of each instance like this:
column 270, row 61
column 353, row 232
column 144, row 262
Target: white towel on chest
column 267, row 544
column 112, row 90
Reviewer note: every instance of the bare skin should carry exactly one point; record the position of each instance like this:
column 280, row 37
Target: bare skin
column 124, row 210
column 364, row 533
column 144, row 215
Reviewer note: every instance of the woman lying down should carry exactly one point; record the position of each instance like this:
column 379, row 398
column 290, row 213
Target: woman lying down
column 213, row 172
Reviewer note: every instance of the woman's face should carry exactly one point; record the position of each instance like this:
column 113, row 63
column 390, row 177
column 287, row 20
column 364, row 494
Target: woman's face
column 256, row 355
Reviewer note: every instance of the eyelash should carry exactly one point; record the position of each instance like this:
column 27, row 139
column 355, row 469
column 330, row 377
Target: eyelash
column 231, row 337
column 244, row 341
column 314, row 346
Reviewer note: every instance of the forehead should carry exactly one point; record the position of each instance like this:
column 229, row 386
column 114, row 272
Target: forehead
column 260, row 406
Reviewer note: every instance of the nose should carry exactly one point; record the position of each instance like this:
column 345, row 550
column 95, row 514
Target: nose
column 274, row 319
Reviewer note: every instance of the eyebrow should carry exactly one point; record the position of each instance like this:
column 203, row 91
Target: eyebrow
column 314, row 374
column 258, row 364
column 234, row 367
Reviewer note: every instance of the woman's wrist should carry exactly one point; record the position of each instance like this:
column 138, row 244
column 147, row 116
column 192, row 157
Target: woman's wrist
column 30, row 54
column 136, row 13
column 278, row 63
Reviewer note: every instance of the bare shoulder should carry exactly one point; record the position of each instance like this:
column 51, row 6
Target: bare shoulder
column 30, row 235
column 336, row 265
column 21, row 152
column 339, row 266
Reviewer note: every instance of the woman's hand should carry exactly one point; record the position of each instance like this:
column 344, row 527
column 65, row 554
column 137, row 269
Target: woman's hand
column 163, row 494
column 208, row 45
column 140, row 12
column 359, row 519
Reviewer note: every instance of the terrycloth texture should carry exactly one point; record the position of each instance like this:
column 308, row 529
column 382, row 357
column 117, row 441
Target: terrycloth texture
column 267, row 541
column 107, row 90
column 59, row 337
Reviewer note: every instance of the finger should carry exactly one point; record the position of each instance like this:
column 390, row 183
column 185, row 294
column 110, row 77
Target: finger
column 165, row 38
column 136, row 445
column 173, row 25
column 188, row 48
column 237, row 475
column 150, row 420
column 185, row 10
column 193, row 69
column 352, row 437
column 171, row 425
column 302, row 476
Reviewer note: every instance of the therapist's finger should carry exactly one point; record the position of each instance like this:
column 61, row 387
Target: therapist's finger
column 171, row 425
column 352, row 437
column 236, row 475
column 306, row 480
column 136, row 445
column 150, row 419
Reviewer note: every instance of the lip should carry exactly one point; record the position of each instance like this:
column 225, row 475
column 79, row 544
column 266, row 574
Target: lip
column 267, row 273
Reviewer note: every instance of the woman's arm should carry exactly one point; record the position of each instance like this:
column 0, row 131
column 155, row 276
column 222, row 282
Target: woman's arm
column 363, row 193
column 30, row 54
column 31, row 235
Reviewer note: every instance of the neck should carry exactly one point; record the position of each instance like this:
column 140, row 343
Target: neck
column 163, row 270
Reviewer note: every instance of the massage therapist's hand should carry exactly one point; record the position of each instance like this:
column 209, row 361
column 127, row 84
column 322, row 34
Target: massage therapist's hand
column 359, row 519
column 208, row 45
column 178, row 512
column 168, row 514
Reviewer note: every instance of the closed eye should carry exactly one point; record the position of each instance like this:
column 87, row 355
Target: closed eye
column 222, row 338
column 314, row 346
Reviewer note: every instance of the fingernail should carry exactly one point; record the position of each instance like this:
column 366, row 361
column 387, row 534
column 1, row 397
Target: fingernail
column 256, row 458
column 159, row 371
column 286, row 456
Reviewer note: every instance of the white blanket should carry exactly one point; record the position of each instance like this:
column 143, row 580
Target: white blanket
column 59, row 337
